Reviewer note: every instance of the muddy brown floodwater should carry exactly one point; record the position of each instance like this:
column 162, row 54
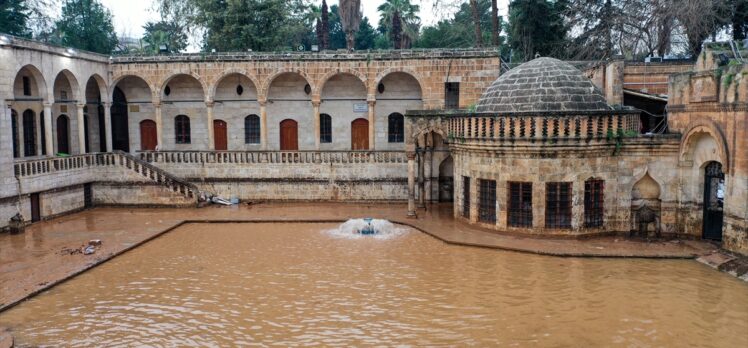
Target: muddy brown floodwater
column 296, row 284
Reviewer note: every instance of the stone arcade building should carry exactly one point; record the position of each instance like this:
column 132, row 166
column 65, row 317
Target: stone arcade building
column 543, row 154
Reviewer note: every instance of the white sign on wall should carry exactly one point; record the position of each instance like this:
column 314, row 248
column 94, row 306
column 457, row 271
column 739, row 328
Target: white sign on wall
column 361, row 107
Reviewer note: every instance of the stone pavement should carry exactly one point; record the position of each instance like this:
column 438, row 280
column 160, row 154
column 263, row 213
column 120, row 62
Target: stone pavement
column 43, row 256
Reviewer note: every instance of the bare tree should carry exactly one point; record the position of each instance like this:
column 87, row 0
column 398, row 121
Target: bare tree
column 350, row 19
column 476, row 23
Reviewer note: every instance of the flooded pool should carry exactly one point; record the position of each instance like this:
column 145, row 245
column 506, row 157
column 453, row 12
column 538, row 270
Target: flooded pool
column 296, row 284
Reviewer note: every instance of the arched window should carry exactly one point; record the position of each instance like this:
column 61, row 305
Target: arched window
column 252, row 129
column 325, row 128
column 182, row 129
column 396, row 127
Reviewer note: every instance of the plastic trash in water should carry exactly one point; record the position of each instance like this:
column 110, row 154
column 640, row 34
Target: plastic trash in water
column 89, row 250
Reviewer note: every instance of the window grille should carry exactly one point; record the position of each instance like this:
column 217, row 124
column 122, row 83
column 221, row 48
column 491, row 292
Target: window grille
column 520, row 204
column 182, row 129
column 252, row 129
column 325, row 128
column 466, row 197
column 558, row 205
column 594, row 198
column 487, row 201
column 396, row 128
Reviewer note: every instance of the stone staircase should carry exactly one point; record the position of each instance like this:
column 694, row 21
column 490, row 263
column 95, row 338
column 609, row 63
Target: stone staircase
column 86, row 165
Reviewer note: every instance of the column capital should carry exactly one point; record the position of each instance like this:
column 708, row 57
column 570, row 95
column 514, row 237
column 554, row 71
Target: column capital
column 411, row 155
column 48, row 104
column 156, row 104
column 371, row 103
column 107, row 104
column 371, row 99
column 210, row 103
column 80, row 106
column 262, row 103
column 316, row 103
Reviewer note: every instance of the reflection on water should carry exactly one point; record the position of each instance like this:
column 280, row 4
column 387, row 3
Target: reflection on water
column 294, row 284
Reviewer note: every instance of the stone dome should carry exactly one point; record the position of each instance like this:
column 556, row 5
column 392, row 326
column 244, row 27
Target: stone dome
column 542, row 85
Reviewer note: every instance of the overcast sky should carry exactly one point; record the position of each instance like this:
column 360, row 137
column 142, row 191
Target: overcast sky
column 131, row 15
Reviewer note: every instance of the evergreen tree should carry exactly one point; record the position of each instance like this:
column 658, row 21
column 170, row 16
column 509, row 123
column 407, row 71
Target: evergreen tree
column 536, row 27
column 86, row 25
column 366, row 36
column 164, row 33
column 458, row 32
column 740, row 20
column 14, row 15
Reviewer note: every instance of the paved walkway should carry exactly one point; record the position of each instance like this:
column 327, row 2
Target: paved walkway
column 41, row 257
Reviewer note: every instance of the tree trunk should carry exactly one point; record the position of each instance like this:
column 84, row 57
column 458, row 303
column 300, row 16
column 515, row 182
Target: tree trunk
column 476, row 21
column 495, row 23
column 325, row 27
column 397, row 31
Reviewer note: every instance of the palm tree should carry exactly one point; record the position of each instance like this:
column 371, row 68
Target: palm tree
column 400, row 18
column 350, row 20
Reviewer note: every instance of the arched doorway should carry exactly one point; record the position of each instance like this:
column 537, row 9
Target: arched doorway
column 360, row 134
column 63, row 135
column 446, row 180
column 220, row 134
column 289, row 135
column 120, row 131
column 714, row 201
column 148, row 135
column 29, row 133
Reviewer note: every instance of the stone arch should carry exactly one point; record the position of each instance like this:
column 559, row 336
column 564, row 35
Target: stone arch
column 100, row 83
column 696, row 131
column 262, row 93
column 228, row 73
column 646, row 205
column 151, row 87
column 382, row 75
column 72, row 82
column 40, row 81
column 203, row 86
column 344, row 71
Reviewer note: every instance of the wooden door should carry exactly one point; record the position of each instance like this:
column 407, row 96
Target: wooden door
column 220, row 134
column 148, row 135
column 289, row 135
column 36, row 214
column 360, row 134
column 63, row 140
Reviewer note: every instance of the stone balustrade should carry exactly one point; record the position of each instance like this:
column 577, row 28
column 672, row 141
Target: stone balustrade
column 274, row 157
column 533, row 128
column 28, row 169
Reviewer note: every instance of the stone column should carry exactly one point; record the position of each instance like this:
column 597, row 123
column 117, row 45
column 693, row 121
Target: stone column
column 6, row 147
column 372, row 125
column 108, row 125
column 211, row 135
column 159, row 126
column 48, row 129
column 263, row 125
column 81, row 129
column 411, row 184
column 422, row 180
column 317, row 134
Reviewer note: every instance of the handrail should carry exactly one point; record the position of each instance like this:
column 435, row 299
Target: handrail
column 34, row 167
column 274, row 157
column 543, row 128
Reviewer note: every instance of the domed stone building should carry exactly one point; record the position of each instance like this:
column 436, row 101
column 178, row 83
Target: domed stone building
column 544, row 153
